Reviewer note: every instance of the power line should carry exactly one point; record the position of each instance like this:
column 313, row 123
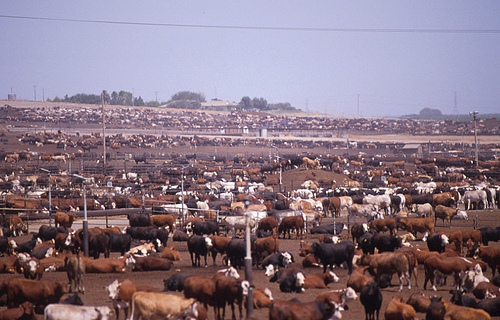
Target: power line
column 234, row 27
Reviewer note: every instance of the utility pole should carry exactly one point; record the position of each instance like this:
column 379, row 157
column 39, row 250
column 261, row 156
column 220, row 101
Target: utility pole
column 358, row 105
column 103, row 135
column 34, row 94
column 474, row 114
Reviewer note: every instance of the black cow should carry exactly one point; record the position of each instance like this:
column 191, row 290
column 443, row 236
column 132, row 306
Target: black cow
column 25, row 247
column 489, row 234
column 236, row 252
column 98, row 243
column 46, row 233
column 4, row 244
column 437, row 242
column 175, row 282
column 119, row 242
column 206, row 227
column 371, row 298
column 386, row 242
column 328, row 229
column 365, row 243
column 278, row 259
column 198, row 246
column 139, row 219
column 139, row 233
column 436, row 309
column 496, row 280
column 334, row 253
column 290, row 280
column 459, row 298
column 71, row 298
column 157, row 235
column 492, row 306
column 180, row 236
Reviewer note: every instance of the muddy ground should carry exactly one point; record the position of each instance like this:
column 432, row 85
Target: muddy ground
column 96, row 294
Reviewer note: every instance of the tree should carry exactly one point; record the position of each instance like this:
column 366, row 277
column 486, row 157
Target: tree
column 189, row 96
column 429, row 112
column 246, row 103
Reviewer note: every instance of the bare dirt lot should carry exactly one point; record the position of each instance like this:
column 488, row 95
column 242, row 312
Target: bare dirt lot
column 97, row 295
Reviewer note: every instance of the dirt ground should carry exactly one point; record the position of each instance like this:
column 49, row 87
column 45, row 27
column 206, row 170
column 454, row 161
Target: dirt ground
column 97, row 295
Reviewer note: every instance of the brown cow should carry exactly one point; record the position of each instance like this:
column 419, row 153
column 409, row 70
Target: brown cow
column 414, row 225
column 219, row 245
column 121, row 294
column 263, row 247
column 201, row 289
column 490, row 255
column 445, row 265
column 389, row 263
column 398, row 310
column 444, row 213
column 358, row 279
column 262, row 298
column 320, row 281
column 291, row 223
column 64, row 219
column 386, row 224
column 40, row 293
column 109, row 265
column 25, row 311
column 17, row 225
column 152, row 264
column 75, row 269
column 268, row 224
column 162, row 220
column 159, row 305
column 454, row 312
column 170, row 253
column 419, row 302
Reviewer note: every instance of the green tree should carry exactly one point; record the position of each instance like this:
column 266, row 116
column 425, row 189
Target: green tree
column 246, row 103
column 429, row 112
column 188, row 96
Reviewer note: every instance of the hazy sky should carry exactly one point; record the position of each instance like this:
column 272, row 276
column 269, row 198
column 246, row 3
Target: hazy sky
column 396, row 56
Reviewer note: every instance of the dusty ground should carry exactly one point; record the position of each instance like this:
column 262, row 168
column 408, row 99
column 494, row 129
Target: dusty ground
column 96, row 294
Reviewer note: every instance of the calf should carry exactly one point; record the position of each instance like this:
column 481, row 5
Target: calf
column 334, row 254
column 139, row 219
column 262, row 298
column 444, row 213
column 268, row 224
column 357, row 230
column 398, row 310
column 371, row 299
column 66, row 311
column 205, row 227
column 436, row 309
column 263, row 247
column 320, row 281
column 358, row 279
column 436, row 242
column 180, row 236
column 236, row 251
column 445, row 265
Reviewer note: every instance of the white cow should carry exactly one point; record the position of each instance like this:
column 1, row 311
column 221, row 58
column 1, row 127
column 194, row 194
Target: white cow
column 381, row 202
column 475, row 196
column 59, row 311
column 424, row 210
column 362, row 210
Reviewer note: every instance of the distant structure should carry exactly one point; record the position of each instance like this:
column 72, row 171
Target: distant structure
column 11, row 97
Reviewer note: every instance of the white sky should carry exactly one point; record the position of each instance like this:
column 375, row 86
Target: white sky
column 397, row 56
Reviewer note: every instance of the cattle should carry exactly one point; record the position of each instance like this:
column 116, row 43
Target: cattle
column 155, row 235
column 290, row 280
column 180, row 236
column 475, row 197
column 380, row 241
column 445, row 199
column 398, row 310
column 40, row 293
column 491, row 306
column 263, row 247
column 201, row 289
column 235, row 223
column 157, row 305
column 142, row 249
column 170, row 253
column 119, row 243
column 424, row 210
column 219, row 245
column 294, row 310
column 489, row 234
column 379, row 201
column 357, row 230
column 309, row 163
column 17, row 226
column 358, row 279
column 60, row 311
column 320, row 281
column 436, row 309
column 419, row 302
column 262, row 298
column 436, row 241
column 389, row 263
column 334, row 254
column 460, row 298
column 199, row 246
column 339, row 297
column 175, row 282
column 277, row 260
column 336, row 204
column 293, row 223
column 361, row 210
column 163, row 220
column 46, row 233
column 333, row 228
column 490, row 255
column 454, row 312
column 25, row 247
column 139, row 219
column 445, row 265
column 414, row 225
column 98, row 243
column 24, row 312
column 236, row 252
column 152, row 264
column 64, row 219
column 121, row 294
column 444, row 213
column 485, row 290
column 206, row 227
column 383, row 225
column 75, row 269
column 268, row 224
column 109, row 265
column 230, row 290
column 371, row 298
column 473, row 277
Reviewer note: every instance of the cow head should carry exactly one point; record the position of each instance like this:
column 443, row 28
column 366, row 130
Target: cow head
column 270, row 271
column 444, row 240
column 208, row 242
column 230, row 272
column 286, row 258
column 332, row 276
column 245, row 287
column 113, row 290
column 299, row 280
